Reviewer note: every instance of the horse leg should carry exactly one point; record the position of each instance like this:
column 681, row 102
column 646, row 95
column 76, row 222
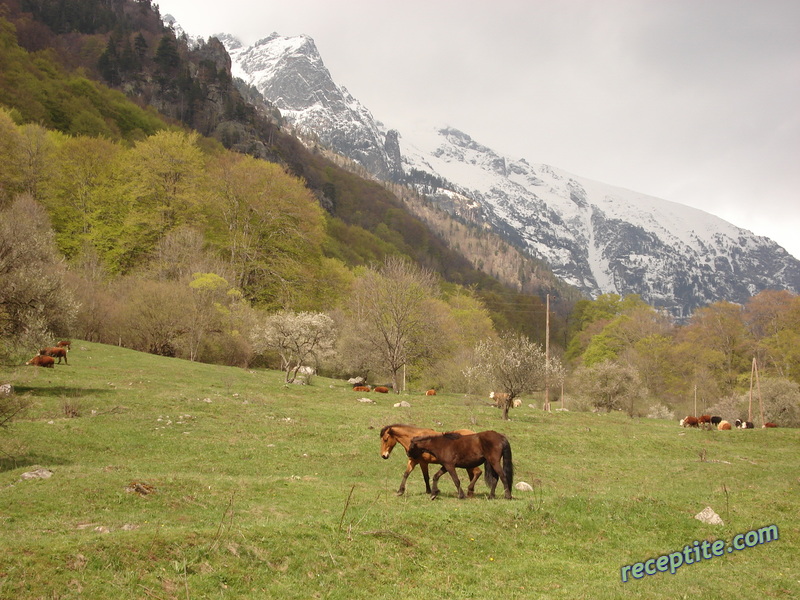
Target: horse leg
column 456, row 481
column 435, row 491
column 474, row 474
column 409, row 467
column 501, row 473
column 423, row 466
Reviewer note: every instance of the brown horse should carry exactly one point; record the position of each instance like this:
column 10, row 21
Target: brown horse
column 453, row 450
column 402, row 434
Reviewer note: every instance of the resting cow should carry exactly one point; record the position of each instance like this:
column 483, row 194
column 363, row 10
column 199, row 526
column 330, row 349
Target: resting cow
column 42, row 361
column 430, row 393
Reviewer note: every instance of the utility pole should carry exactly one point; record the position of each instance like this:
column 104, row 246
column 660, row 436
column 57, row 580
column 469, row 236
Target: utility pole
column 547, row 358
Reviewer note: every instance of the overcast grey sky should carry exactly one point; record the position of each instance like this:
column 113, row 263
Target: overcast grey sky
column 694, row 101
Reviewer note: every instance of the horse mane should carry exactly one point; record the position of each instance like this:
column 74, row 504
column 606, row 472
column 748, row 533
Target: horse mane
column 388, row 427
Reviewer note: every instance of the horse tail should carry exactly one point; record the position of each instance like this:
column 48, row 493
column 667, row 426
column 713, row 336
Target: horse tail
column 489, row 475
column 508, row 465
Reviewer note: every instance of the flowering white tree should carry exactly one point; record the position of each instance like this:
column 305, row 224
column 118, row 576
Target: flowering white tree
column 515, row 365
column 298, row 337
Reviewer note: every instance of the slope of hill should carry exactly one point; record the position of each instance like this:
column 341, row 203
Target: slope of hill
column 171, row 479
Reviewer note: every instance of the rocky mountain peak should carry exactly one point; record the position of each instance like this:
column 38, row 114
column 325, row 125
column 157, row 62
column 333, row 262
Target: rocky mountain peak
column 289, row 72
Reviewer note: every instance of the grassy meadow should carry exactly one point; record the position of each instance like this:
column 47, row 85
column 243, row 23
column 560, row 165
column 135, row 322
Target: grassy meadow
column 180, row 480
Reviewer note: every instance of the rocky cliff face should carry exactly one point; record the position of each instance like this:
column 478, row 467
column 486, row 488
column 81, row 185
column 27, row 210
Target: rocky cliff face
column 597, row 237
column 289, row 72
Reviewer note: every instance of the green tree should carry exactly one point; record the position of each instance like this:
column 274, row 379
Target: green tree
column 78, row 195
column 716, row 339
column 610, row 386
column 271, row 230
column 161, row 186
column 11, row 144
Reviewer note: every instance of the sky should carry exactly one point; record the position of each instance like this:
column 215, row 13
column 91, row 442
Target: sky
column 693, row 101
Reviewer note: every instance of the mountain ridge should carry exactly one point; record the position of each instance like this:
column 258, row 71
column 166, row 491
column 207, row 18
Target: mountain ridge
column 596, row 236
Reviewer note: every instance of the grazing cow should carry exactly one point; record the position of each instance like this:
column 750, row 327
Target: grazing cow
column 715, row 421
column 704, row 421
column 41, row 360
column 430, row 393
column 361, row 388
column 724, row 426
column 769, row 424
column 690, row 422
column 382, row 389
column 56, row 352
column 500, row 398
column 64, row 344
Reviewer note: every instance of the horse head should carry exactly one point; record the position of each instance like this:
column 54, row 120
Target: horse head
column 388, row 441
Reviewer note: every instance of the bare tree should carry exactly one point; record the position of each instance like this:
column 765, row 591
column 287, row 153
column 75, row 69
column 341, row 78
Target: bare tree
column 393, row 317
column 514, row 365
column 298, row 338
column 34, row 302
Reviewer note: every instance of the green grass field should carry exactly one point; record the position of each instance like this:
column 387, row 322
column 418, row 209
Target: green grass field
column 182, row 480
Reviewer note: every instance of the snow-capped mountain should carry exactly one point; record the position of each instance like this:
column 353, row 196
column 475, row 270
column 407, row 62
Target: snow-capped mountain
column 288, row 71
column 598, row 237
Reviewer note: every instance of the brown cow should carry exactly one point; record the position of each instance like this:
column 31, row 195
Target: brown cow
column 41, row 361
column 690, row 422
column 770, row 424
column 64, row 344
column 430, row 393
column 58, row 353
column 382, row 390
column 704, row 421
column 361, row 388
column 724, row 426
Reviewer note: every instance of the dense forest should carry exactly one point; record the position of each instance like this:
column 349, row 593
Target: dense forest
column 145, row 202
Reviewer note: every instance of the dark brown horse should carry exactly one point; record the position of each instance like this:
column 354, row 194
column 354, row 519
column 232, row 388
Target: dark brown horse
column 391, row 435
column 453, row 450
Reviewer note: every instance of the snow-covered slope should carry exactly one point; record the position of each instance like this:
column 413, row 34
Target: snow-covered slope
column 598, row 237
column 602, row 238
